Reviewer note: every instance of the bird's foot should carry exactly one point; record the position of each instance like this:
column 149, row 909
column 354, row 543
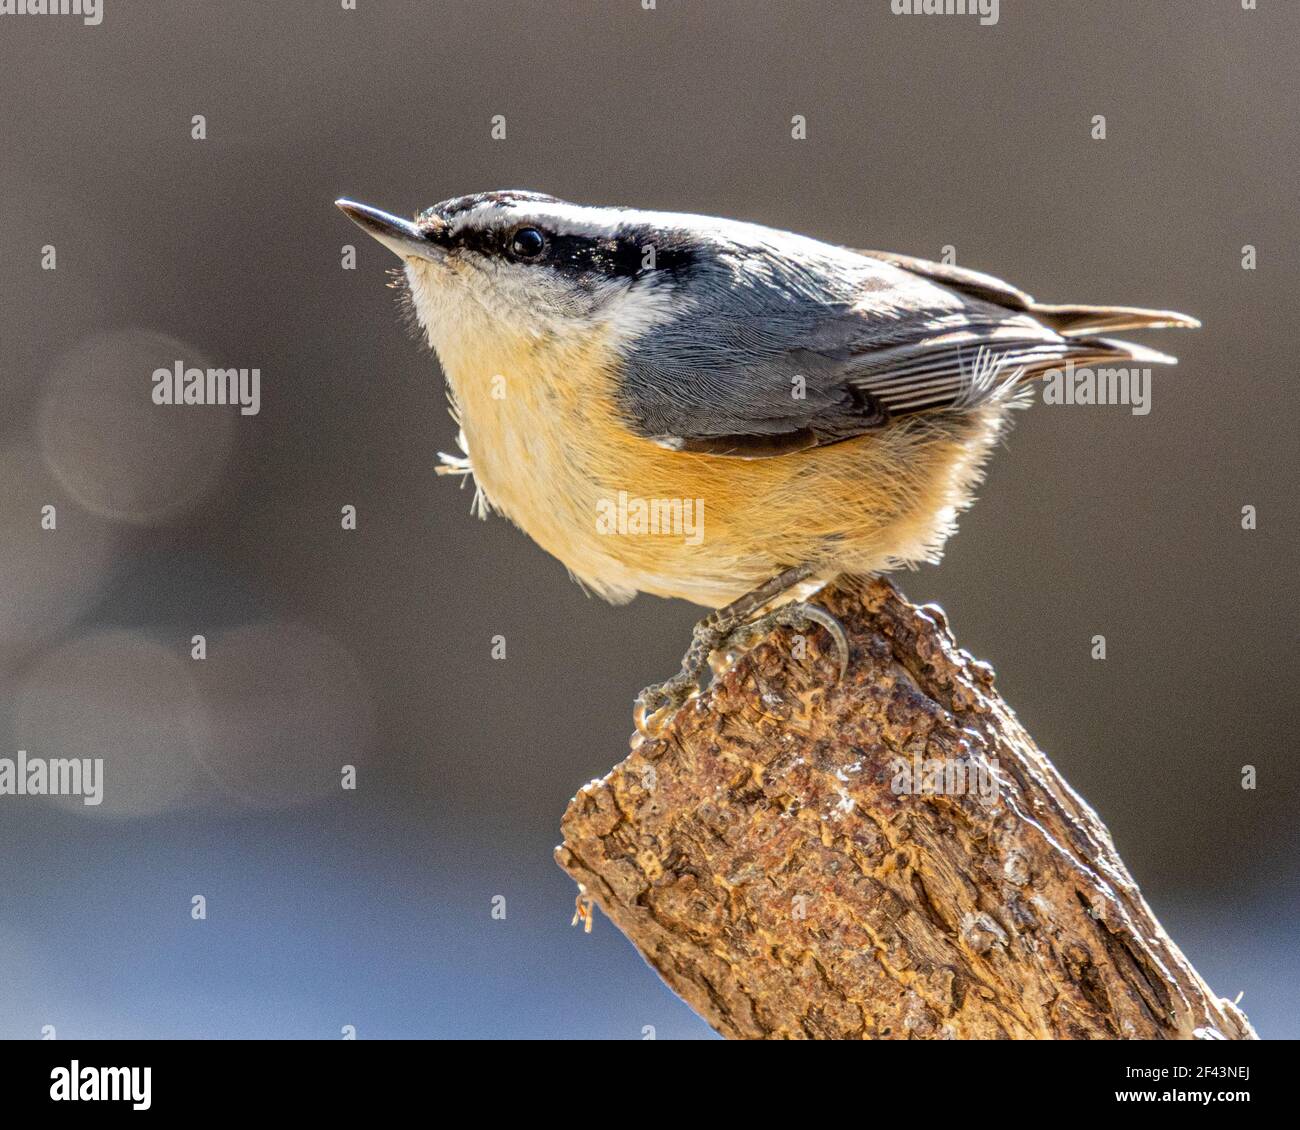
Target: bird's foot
column 798, row 615
column 656, row 705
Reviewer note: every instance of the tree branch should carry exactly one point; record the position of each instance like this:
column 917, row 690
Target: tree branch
column 780, row 857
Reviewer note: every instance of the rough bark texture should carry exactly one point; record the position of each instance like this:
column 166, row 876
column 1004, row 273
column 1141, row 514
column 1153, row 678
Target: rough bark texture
column 761, row 856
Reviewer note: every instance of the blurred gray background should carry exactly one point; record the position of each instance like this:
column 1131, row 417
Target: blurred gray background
column 372, row 908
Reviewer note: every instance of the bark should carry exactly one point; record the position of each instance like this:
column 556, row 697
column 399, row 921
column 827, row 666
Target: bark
column 766, row 856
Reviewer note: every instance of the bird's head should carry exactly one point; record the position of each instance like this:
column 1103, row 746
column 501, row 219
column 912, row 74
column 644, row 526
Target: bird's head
column 528, row 264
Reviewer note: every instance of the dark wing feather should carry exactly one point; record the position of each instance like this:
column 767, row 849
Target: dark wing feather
column 760, row 371
column 1069, row 321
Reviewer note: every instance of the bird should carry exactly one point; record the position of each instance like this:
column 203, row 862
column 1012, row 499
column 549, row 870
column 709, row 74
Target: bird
column 719, row 411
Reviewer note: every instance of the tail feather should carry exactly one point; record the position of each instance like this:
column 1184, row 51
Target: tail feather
column 1070, row 321
column 1065, row 320
column 1011, row 340
column 1095, row 351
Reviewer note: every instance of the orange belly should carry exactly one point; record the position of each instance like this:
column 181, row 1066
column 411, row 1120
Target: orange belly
column 549, row 451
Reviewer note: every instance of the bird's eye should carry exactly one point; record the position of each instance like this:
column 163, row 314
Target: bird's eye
column 527, row 243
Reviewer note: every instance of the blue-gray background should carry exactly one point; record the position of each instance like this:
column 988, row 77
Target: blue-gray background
column 372, row 908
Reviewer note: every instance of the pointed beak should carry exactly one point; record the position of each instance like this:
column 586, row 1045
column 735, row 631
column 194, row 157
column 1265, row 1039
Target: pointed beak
column 401, row 237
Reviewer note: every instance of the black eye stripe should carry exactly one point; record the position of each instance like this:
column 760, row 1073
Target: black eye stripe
column 626, row 254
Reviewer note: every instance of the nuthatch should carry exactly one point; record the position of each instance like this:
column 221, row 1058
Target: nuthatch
column 718, row 411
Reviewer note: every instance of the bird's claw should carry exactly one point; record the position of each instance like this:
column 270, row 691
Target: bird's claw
column 657, row 704
column 798, row 614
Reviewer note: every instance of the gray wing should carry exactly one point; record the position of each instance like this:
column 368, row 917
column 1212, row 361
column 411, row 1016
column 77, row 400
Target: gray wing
column 773, row 359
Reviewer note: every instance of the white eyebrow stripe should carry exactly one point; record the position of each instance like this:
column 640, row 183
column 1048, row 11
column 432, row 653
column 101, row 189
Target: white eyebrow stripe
column 563, row 219
column 603, row 222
